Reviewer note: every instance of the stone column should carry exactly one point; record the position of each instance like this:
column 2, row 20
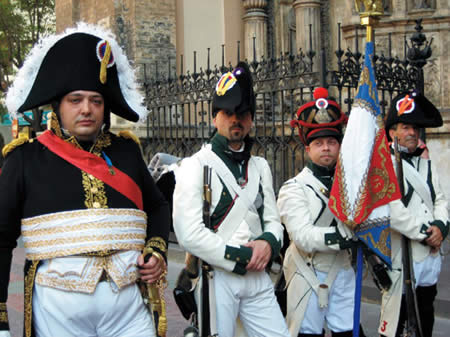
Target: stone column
column 255, row 28
column 308, row 12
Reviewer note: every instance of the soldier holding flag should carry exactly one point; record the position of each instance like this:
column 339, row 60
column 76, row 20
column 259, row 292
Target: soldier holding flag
column 317, row 265
column 423, row 219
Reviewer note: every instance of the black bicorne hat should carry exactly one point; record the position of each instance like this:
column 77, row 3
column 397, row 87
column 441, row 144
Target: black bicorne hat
column 234, row 92
column 412, row 108
column 322, row 117
column 85, row 58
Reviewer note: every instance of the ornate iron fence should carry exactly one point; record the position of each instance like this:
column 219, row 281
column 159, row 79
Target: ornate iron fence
column 180, row 106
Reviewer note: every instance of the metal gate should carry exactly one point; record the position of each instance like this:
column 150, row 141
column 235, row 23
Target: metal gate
column 180, row 107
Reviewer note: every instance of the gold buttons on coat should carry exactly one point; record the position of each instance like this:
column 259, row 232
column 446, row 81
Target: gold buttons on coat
column 96, row 204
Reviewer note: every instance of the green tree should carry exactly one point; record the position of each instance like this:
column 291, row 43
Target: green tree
column 22, row 23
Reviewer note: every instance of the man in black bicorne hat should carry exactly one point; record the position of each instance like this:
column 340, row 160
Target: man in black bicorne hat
column 424, row 219
column 80, row 196
column 245, row 233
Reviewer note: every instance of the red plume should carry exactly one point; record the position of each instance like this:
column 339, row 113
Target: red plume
column 320, row 93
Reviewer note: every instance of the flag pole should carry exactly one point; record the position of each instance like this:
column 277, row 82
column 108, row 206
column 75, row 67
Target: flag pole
column 369, row 17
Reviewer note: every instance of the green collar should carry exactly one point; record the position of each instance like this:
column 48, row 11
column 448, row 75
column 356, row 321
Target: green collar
column 235, row 161
column 324, row 174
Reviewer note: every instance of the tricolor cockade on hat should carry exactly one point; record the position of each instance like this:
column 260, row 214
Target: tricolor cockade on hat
column 413, row 108
column 234, row 92
column 319, row 118
column 83, row 58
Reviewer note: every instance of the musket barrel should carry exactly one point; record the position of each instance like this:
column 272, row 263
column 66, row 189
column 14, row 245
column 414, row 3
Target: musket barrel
column 204, row 319
column 413, row 327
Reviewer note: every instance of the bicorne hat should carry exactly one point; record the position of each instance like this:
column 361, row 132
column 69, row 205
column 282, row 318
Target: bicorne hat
column 412, row 108
column 322, row 117
column 84, row 58
column 234, row 92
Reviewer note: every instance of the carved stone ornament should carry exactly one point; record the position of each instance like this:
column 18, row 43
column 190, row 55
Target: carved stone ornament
column 255, row 4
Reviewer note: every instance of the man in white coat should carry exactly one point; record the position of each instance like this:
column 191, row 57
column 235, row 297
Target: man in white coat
column 424, row 219
column 317, row 266
column 245, row 233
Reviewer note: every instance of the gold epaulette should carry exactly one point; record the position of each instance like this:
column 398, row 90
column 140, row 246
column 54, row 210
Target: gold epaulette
column 129, row 135
column 14, row 143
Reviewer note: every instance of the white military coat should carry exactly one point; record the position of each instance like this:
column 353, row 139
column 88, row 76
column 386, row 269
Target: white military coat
column 412, row 221
column 187, row 214
column 303, row 205
column 245, row 223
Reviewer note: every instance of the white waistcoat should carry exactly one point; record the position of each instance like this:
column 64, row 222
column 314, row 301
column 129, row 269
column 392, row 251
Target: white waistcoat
column 64, row 240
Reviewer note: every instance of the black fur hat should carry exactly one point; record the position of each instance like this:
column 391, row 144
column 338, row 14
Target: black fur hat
column 234, row 92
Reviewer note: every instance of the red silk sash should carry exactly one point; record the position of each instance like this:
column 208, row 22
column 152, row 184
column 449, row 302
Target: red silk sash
column 93, row 165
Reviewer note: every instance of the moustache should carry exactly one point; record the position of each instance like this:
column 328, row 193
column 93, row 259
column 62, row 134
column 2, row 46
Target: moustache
column 84, row 119
column 407, row 138
column 237, row 125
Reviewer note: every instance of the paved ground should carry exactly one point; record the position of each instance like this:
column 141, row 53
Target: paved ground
column 369, row 313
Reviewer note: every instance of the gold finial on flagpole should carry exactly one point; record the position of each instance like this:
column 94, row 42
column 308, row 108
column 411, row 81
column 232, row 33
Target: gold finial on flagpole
column 369, row 12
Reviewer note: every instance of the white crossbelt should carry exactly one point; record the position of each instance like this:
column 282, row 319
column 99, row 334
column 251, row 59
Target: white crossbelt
column 321, row 289
column 418, row 183
column 245, row 197
column 248, row 194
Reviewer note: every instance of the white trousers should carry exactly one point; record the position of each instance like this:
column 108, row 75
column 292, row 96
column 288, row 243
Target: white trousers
column 427, row 272
column 102, row 314
column 252, row 298
column 341, row 302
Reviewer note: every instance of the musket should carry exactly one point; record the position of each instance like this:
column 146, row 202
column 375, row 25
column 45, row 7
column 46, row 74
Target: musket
column 206, row 269
column 412, row 326
column 202, row 319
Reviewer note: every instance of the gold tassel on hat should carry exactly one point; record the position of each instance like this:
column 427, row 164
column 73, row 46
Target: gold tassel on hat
column 104, row 63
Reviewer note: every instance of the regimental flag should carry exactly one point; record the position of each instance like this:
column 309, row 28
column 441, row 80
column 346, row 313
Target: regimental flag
column 365, row 180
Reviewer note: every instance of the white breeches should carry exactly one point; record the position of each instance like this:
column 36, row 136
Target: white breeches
column 102, row 314
column 252, row 298
column 427, row 272
column 339, row 313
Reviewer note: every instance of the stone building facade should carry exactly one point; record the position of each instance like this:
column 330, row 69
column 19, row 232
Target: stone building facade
column 176, row 36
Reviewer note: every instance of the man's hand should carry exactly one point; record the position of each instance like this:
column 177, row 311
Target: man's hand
column 152, row 270
column 260, row 256
column 435, row 238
